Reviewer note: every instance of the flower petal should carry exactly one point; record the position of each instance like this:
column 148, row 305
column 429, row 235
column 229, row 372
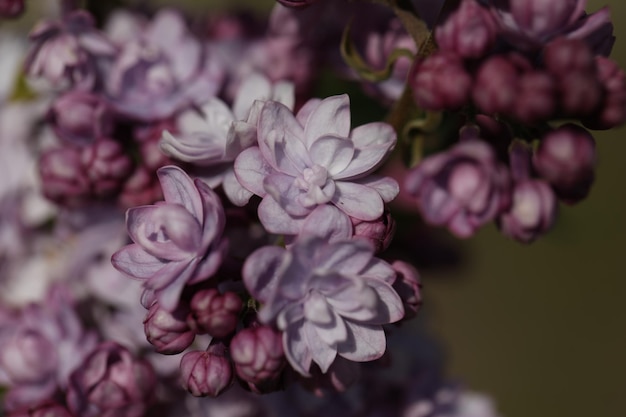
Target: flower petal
column 358, row 200
column 236, row 193
column 132, row 260
column 178, row 188
column 365, row 342
column 329, row 222
column 261, row 271
column 276, row 220
column 251, row 169
column 321, row 353
column 372, row 143
column 330, row 117
column 296, row 349
column 285, row 192
column 332, row 152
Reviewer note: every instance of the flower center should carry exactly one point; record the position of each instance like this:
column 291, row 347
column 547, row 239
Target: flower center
column 315, row 186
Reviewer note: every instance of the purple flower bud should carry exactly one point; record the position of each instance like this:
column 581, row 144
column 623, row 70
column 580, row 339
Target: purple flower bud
column 11, row 8
column 79, row 117
column 380, row 232
column 566, row 158
column 440, row 82
column 214, row 313
column 168, row 332
column 563, row 55
column 106, row 165
column 612, row 109
column 532, row 213
column 581, row 94
column 470, row 31
column 409, row 287
column 206, row 373
column 462, row 188
column 111, row 382
column 496, row 87
column 536, row 100
column 62, row 175
column 65, row 53
column 50, row 409
column 141, row 188
column 258, row 354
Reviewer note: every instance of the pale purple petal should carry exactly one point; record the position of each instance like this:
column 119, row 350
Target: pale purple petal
column 306, row 110
column 358, row 200
column 296, row 349
column 276, row 220
column 178, row 188
column 372, row 143
column 387, row 187
column 332, row 152
column 365, row 342
column 283, row 190
column 321, row 353
column 236, row 193
column 330, row 117
column 262, row 269
column 329, row 222
column 132, row 260
column 251, row 169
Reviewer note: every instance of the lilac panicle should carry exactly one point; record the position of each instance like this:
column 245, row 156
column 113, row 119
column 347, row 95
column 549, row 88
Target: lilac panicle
column 163, row 71
column 65, row 53
column 206, row 373
column 313, row 159
column 329, row 299
column 177, row 241
column 111, row 383
column 168, row 332
column 462, row 188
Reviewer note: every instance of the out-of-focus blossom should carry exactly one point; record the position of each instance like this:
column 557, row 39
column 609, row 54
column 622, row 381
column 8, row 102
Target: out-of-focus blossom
column 214, row 136
column 470, row 31
column 39, row 351
column 462, row 188
column 111, row 382
column 329, row 299
column 11, row 8
column 612, row 111
column 496, row 85
column 409, row 287
column 51, row 409
column 257, row 353
column 106, row 165
column 312, row 159
column 66, row 53
column 214, row 313
column 296, row 3
column 79, row 117
column 178, row 241
column 163, row 71
column 529, row 24
column 440, row 82
column 566, row 158
column 62, row 175
column 233, row 403
column 206, row 373
column 168, row 331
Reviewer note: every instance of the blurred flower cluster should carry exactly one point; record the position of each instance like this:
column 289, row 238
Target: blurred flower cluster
column 182, row 216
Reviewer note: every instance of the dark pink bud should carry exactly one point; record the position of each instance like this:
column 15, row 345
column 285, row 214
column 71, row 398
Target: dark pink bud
column 379, row 232
column 562, row 56
column 11, row 8
column 496, row 86
column 566, row 158
column 107, row 166
column 206, row 373
column 79, row 117
column 214, row 313
column 440, row 82
column 111, row 382
column 258, row 354
column 536, row 100
column 532, row 213
column 51, row 409
column 64, row 180
column 409, row 287
column 470, row 31
column 612, row 109
column 142, row 187
column 168, row 332
column 580, row 94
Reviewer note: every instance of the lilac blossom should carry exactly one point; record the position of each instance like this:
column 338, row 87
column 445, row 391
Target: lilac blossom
column 40, row 350
column 462, row 188
column 178, row 241
column 529, row 24
column 79, row 117
column 67, row 53
column 313, row 159
column 163, row 71
column 168, row 331
column 329, row 299
column 215, row 135
column 214, row 313
column 206, row 373
column 111, row 382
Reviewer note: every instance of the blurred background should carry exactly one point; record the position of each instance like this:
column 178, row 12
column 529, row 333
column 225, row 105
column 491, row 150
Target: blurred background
column 541, row 328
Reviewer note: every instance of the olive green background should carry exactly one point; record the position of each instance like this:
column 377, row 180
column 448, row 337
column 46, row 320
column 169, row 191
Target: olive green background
column 541, row 328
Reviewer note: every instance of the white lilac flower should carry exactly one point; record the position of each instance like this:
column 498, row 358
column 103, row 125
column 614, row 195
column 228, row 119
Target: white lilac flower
column 313, row 158
column 177, row 242
column 329, row 299
column 213, row 136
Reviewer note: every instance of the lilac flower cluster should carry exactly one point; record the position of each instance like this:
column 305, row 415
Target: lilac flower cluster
column 516, row 66
column 256, row 254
